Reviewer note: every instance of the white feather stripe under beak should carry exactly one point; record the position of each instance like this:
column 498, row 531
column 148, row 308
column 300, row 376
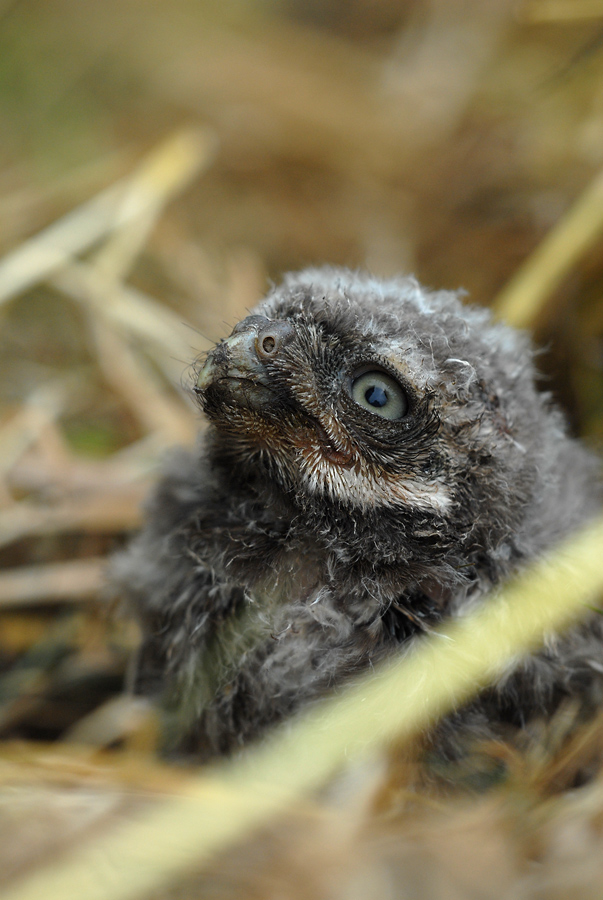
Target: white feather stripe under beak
column 364, row 487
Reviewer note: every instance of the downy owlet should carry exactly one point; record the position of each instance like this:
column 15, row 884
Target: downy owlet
column 377, row 459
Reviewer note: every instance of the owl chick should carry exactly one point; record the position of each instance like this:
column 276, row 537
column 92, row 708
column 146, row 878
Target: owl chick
column 378, row 459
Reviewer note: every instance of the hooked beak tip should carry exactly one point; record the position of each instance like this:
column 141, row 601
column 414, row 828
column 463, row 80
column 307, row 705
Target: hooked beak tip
column 205, row 376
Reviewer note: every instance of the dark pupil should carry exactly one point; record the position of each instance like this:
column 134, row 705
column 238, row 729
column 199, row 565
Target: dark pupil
column 376, row 396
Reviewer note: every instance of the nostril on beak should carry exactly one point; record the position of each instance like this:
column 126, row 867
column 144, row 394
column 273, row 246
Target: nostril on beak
column 271, row 338
column 268, row 344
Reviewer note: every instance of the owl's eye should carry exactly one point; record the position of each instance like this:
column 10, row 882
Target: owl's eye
column 380, row 394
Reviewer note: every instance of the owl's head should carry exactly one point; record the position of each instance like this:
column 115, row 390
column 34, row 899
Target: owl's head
column 380, row 399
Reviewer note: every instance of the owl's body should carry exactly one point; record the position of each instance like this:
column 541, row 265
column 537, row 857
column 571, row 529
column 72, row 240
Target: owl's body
column 378, row 459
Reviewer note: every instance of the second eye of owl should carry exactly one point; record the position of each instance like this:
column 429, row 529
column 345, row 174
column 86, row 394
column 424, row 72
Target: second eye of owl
column 380, row 394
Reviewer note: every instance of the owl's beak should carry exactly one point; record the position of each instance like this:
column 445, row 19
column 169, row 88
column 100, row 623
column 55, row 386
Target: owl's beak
column 242, row 358
column 232, row 358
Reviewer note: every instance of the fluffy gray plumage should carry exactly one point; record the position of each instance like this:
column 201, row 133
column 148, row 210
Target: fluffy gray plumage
column 378, row 458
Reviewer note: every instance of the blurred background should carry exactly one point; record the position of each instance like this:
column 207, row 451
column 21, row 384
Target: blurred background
column 160, row 164
column 442, row 137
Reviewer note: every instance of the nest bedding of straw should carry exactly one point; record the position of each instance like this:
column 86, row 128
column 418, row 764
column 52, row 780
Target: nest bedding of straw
column 159, row 164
